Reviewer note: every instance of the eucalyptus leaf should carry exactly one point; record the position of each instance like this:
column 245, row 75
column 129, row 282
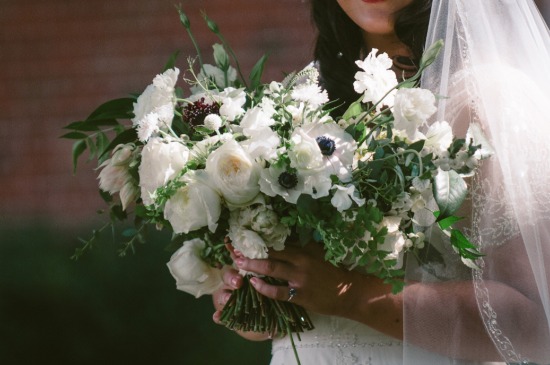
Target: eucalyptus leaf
column 450, row 190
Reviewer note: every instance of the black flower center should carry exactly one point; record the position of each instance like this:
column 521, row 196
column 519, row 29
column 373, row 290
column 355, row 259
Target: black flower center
column 326, row 145
column 288, row 180
column 194, row 113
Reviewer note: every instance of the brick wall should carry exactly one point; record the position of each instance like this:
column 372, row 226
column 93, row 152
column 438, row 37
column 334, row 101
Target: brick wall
column 61, row 58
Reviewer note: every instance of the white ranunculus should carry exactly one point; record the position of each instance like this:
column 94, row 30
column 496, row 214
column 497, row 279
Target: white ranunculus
column 161, row 161
column 344, row 196
column 412, row 108
column 376, row 79
column 158, row 99
column 248, row 242
column 192, row 274
column 233, row 173
column 193, row 206
column 261, row 219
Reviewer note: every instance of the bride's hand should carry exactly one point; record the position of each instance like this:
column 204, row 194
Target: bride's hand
column 231, row 281
column 319, row 286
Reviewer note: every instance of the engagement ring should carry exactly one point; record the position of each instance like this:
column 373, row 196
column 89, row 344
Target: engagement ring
column 291, row 293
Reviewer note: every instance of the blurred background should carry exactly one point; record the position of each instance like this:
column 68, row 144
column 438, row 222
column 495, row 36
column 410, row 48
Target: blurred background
column 59, row 59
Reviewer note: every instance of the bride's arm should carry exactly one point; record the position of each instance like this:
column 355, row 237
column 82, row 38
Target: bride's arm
column 325, row 289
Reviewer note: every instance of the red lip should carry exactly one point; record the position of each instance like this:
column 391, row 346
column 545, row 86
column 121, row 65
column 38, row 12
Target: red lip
column 372, row 1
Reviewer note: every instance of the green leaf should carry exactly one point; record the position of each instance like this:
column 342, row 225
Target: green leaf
column 355, row 109
column 74, row 135
column 91, row 124
column 256, row 73
column 129, row 135
column 117, row 108
column 448, row 222
column 171, row 63
column 450, row 190
column 78, row 148
column 465, row 248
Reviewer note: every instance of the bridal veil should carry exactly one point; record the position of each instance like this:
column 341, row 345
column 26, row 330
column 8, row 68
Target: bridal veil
column 494, row 71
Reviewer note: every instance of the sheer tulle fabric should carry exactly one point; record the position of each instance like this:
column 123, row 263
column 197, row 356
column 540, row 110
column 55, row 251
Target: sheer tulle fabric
column 494, row 71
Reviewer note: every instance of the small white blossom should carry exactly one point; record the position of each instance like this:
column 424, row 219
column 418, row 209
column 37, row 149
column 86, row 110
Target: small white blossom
column 310, row 93
column 343, row 196
column 213, row 122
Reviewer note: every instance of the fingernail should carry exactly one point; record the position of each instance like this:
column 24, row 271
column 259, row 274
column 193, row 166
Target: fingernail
column 216, row 316
column 239, row 262
column 254, row 281
column 235, row 282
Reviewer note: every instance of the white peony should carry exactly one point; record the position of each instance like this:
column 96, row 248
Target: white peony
column 193, row 206
column 192, row 274
column 233, row 172
column 161, row 161
column 376, row 79
column 412, row 108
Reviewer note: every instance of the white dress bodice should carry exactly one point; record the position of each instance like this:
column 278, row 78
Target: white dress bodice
column 338, row 341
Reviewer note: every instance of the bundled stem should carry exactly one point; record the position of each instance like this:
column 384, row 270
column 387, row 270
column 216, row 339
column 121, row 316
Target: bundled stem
column 247, row 310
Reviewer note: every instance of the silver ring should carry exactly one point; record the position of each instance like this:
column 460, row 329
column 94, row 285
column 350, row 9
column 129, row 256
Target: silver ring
column 291, row 293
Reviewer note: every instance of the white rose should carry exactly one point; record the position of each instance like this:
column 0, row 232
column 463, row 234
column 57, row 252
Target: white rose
column 193, row 206
column 192, row 274
column 412, row 108
column 233, row 173
column 161, row 161
column 248, row 242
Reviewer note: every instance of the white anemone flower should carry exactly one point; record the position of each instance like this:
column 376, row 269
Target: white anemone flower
column 280, row 181
column 337, row 148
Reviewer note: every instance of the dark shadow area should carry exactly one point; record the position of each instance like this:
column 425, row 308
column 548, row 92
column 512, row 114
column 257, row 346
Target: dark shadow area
column 104, row 309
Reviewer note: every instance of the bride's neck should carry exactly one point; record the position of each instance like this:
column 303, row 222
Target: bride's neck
column 388, row 43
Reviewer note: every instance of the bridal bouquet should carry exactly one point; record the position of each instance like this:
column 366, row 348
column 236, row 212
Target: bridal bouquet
column 266, row 165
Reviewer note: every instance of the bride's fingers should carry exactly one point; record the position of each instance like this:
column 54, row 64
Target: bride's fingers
column 231, row 278
column 277, row 292
column 274, row 268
